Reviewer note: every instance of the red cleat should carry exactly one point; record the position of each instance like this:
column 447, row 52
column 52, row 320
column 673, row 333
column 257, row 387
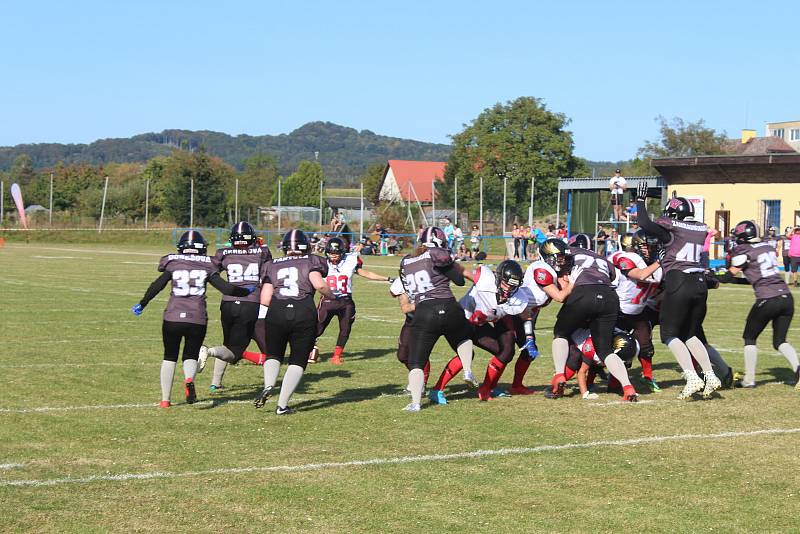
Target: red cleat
column 521, row 390
column 164, row 404
column 336, row 360
column 629, row 394
column 558, row 384
column 484, row 394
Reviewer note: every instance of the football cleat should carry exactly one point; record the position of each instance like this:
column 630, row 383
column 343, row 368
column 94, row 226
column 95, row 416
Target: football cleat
column 484, row 394
column 727, row 381
column 693, row 384
column 470, row 380
column 412, row 407
column 521, row 390
column 497, row 393
column 436, row 396
column 797, row 378
column 745, row 385
column 283, row 410
column 712, row 384
column 215, row 389
column 202, row 359
column 188, row 386
column 164, row 404
column 262, row 397
column 557, row 389
column 336, row 360
column 651, row 383
column 313, row 357
column 629, row 394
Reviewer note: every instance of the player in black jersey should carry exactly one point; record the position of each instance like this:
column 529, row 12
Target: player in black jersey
column 683, row 305
column 287, row 304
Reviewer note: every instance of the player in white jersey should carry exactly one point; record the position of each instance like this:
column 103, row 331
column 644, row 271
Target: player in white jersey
column 342, row 267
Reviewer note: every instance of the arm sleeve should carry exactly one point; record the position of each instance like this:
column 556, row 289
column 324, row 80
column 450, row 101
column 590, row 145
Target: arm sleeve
column 226, row 288
column 155, row 288
column 646, row 224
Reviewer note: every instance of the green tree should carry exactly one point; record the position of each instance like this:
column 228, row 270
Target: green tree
column 209, row 175
column 372, row 181
column 301, row 188
column 516, row 140
column 256, row 184
column 22, row 170
column 680, row 139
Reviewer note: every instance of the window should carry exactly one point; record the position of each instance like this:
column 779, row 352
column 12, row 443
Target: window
column 778, row 133
column 794, row 134
column 772, row 214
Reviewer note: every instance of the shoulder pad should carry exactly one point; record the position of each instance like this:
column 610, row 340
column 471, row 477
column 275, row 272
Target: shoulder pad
column 543, row 277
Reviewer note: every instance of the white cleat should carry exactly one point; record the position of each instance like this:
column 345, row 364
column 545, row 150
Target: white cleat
column 693, row 384
column 412, row 407
column 712, row 384
column 590, row 396
column 469, row 380
column 202, row 359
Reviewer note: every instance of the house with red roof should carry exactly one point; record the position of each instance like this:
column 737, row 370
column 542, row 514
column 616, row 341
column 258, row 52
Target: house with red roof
column 412, row 181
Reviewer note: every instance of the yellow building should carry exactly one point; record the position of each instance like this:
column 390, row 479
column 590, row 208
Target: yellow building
column 789, row 131
column 725, row 190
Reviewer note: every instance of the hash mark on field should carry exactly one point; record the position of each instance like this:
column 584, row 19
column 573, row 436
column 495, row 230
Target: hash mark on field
column 122, row 477
column 10, row 466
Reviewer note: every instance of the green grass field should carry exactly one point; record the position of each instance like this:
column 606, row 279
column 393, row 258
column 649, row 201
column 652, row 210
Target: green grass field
column 83, row 446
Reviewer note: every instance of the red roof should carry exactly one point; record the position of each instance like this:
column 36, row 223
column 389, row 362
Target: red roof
column 421, row 174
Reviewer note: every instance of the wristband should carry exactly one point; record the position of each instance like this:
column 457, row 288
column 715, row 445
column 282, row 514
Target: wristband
column 262, row 311
column 528, row 327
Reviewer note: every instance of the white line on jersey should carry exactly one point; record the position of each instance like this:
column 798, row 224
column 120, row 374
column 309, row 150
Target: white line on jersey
column 397, row 460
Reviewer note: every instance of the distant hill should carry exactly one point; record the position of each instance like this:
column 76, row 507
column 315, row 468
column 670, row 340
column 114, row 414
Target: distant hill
column 344, row 153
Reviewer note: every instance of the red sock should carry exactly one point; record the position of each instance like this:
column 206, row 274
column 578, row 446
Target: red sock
column 493, row 373
column 255, row 357
column 568, row 373
column 427, row 371
column 647, row 367
column 452, row 368
column 520, row 368
column 337, row 352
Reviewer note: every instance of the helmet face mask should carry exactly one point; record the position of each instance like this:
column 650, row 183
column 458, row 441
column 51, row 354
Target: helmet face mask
column 192, row 242
column 554, row 253
column 509, row 279
column 243, row 235
column 334, row 250
column 645, row 245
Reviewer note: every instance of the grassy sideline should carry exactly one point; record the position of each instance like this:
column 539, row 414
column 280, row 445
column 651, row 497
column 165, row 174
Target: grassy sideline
column 81, row 383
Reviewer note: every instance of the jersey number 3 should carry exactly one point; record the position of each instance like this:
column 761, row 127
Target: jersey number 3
column 289, row 277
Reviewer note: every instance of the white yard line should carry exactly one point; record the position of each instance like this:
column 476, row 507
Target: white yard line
column 10, row 466
column 398, row 460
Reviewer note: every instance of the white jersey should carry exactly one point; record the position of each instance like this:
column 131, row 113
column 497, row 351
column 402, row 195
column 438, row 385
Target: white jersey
column 340, row 275
column 397, row 288
column 538, row 275
column 483, row 297
column 633, row 294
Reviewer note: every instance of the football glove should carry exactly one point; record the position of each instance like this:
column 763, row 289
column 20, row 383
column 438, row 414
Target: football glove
column 251, row 289
column 478, row 318
column 641, row 191
column 137, row 310
column 530, row 346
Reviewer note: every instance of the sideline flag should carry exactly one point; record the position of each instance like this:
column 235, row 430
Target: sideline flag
column 16, row 194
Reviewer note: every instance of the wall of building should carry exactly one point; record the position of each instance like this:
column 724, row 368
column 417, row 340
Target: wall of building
column 791, row 132
column 744, row 201
column 389, row 189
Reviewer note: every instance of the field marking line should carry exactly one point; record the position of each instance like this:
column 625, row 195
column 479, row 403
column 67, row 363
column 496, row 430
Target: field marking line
column 10, row 466
column 123, row 477
column 153, row 254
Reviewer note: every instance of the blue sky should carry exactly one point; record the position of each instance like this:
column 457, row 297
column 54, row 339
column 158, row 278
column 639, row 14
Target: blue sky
column 78, row 71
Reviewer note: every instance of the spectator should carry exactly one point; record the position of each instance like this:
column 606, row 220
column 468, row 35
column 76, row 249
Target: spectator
column 600, row 239
column 475, row 239
column 449, row 232
column 463, row 254
column 538, row 238
column 612, row 243
column 631, row 211
column 562, row 231
column 617, row 185
column 794, row 255
column 551, row 231
column 517, row 235
column 458, row 236
column 784, row 246
column 704, row 256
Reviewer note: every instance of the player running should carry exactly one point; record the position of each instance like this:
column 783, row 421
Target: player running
column 426, row 274
column 342, row 266
column 592, row 301
column 287, row 305
column 241, row 261
column 185, row 316
column 683, row 305
column 774, row 303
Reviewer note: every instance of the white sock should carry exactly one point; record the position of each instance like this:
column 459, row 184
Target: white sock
column 222, row 353
column 271, row 369
column 560, row 354
column 717, row 362
column 750, row 357
column 616, row 367
column 291, row 378
column 790, row 354
column 219, row 371
column 681, row 353
column 465, row 355
column 700, row 354
column 189, row 368
column 167, row 374
column 416, row 379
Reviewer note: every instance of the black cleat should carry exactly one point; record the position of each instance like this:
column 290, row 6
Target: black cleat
column 262, row 397
column 191, row 395
column 727, row 380
column 283, row 411
column 556, row 393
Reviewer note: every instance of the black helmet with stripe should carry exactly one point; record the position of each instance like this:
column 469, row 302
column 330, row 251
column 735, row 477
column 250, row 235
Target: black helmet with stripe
column 555, row 253
column 678, row 208
column 746, row 232
column 581, row 241
column 625, row 346
column 431, row 237
column 192, row 242
column 295, row 243
column 242, row 234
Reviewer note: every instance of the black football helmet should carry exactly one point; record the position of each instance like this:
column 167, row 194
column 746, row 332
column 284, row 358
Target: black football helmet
column 508, row 273
column 626, row 242
column 678, row 208
column 746, row 232
column 242, row 234
column 581, row 241
column 625, row 346
column 554, row 253
column 294, row 242
column 646, row 246
column 431, row 237
column 335, row 249
column 193, row 242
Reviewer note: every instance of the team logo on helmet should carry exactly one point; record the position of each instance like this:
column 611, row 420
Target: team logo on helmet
column 675, row 203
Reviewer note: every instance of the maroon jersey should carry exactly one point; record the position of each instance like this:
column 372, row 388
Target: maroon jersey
column 683, row 250
column 243, row 266
column 590, row 268
column 289, row 275
column 759, row 264
column 422, row 276
column 187, row 298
